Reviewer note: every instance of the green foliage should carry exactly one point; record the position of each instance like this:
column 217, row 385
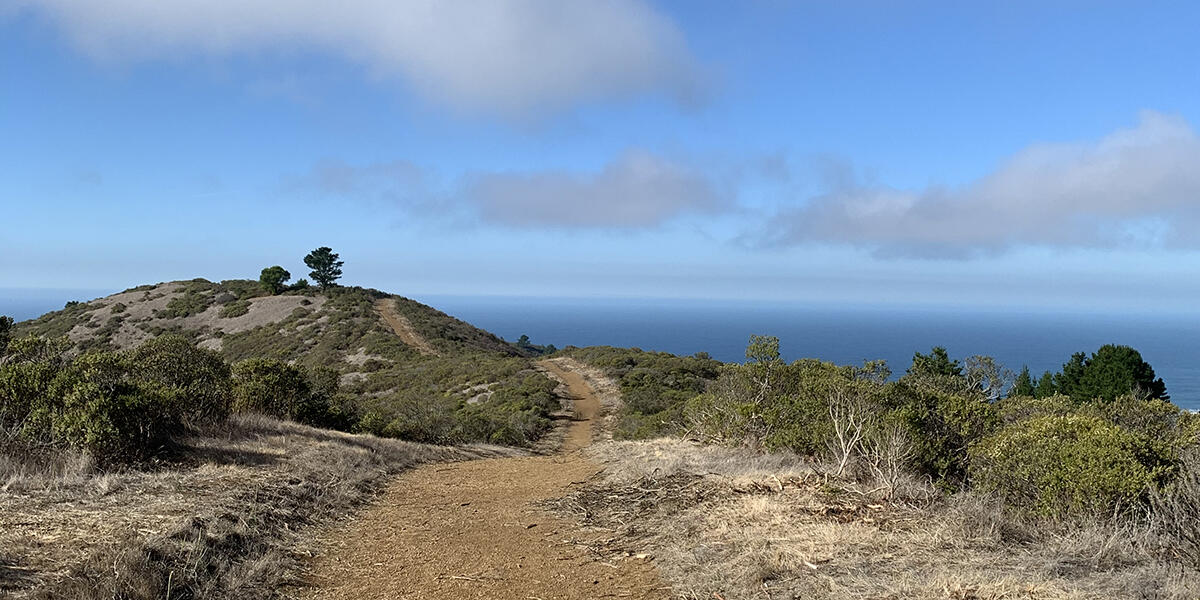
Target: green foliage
column 1113, row 371
column 936, row 363
column 529, row 348
column 326, row 268
column 118, row 308
column 1061, row 466
column 763, row 349
column 1024, row 384
column 655, row 386
column 1014, row 409
column 236, row 308
column 102, row 411
column 272, row 279
column 1045, row 386
column 195, row 379
column 942, row 425
column 1067, row 381
column 269, row 386
column 6, row 324
column 194, row 300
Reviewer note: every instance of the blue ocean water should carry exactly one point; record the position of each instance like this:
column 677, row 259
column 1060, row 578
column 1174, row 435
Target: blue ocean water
column 845, row 335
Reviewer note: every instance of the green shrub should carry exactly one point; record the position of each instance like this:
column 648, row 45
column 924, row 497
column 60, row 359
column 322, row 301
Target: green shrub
column 1061, row 466
column 198, row 380
column 269, row 386
column 233, row 309
column 22, row 386
column 94, row 406
column 942, row 427
column 1019, row 408
column 193, row 301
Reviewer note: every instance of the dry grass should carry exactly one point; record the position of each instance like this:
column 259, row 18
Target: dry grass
column 730, row 524
column 227, row 516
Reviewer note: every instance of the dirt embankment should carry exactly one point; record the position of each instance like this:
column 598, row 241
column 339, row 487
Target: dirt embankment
column 475, row 530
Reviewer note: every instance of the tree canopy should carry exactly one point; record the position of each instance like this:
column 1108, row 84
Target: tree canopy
column 273, row 278
column 326, row 268
column 1113, row 371
column 937, row 362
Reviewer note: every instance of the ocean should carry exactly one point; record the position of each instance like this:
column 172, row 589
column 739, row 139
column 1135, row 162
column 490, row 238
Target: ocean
column 845, row 335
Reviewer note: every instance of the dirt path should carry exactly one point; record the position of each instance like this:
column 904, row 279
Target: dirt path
column 473, row 530
column 399, row 324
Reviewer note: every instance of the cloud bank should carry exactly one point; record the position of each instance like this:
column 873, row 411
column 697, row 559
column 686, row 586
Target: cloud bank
column 636, row 190
column 1136, row 187
column 514, row 57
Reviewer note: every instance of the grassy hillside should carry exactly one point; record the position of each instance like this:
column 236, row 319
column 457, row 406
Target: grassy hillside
column 472, row 387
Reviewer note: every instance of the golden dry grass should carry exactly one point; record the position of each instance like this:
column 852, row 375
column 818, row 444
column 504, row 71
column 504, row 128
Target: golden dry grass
column 227, row 516
column 730, row 524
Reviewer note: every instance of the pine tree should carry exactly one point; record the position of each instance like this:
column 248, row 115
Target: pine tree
column 1024, row 384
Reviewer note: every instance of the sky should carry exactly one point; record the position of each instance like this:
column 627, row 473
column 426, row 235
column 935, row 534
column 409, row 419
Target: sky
column 1015, row 154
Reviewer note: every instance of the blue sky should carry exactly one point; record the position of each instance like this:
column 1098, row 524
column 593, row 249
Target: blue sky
column 1026, row 154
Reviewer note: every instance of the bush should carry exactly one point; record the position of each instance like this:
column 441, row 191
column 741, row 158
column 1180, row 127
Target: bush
column 236, row 308
column 197, row 380
column 93, row 405
column 269, row 386
column 1061, row 466
column 942, row 427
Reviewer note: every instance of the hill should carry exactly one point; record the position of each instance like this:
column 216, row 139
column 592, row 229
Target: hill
column 403, row 369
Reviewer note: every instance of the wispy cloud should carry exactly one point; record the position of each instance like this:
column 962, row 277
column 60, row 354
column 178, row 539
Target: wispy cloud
column 1137, row 187
column 636, row 190
column 513, row 57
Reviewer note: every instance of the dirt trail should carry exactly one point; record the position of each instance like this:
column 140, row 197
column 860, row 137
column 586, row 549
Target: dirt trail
column 473, row 530
column 387, row 310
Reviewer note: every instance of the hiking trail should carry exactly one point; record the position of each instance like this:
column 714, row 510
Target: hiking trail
column 474, row 530
column 386, row 308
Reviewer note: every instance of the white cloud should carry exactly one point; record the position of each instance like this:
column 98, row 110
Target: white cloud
column 514, row 57
column 637, row 190
column 1134, row 188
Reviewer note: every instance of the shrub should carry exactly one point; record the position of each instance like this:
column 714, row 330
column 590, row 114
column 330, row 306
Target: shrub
column 236, row 308
column 269, row 386
column 191, row 302
column 942, row 427
column 94, row 406
column 1066, row 465
column 198, row 380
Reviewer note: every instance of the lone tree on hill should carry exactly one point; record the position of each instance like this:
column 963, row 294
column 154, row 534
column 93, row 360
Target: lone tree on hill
column 273, row 278
column 326, row 268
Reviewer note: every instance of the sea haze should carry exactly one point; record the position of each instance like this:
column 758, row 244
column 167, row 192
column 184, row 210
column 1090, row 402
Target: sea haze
column 1041, row 340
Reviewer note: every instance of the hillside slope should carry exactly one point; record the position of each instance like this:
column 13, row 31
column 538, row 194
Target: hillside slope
column 238, row 317
column 442, row 381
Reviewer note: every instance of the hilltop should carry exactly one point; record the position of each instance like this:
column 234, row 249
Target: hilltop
column 241, row 319
column 403, row 369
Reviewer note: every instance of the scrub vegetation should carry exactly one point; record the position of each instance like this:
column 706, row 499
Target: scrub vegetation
column 810, row 479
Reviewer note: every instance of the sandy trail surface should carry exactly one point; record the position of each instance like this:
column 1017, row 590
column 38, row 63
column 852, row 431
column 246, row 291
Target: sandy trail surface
column 474, row 530
column 399, row 324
